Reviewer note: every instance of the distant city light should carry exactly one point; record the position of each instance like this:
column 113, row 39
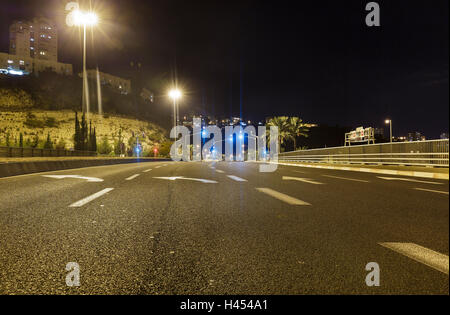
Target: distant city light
column 15, row 72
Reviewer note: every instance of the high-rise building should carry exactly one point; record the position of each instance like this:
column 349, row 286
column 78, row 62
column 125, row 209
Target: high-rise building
column 33, row 48
column 37, row 38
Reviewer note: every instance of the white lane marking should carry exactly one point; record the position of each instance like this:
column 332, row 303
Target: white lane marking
column 305, row 180
column 84, row 201
column 430, row 190
column 89, row 179
column 280, row 196
column 345, row 178
column 164, row 164
column 421, row 254
column 238, row 179
column 409, row 180
column 146, row 171
column 220, row 171
column 173, row 178
column 132, row 177
column 299, row 172
column 158, row 166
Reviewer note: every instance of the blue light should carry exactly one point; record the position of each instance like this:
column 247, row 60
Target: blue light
column 241, row 137
column 15, row 72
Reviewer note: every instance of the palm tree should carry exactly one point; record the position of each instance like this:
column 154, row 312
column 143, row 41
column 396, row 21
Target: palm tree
column 281, row 122
column 296, row 129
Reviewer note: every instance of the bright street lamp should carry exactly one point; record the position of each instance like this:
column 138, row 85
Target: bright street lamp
column 84, row 18
column 175, row 94
column 389, row 121
column 76, row 17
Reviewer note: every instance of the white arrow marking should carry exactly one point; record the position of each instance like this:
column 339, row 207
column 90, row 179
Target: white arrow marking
column 89, row 179
column 305, row 180
column 206, row 181
column 409, row 180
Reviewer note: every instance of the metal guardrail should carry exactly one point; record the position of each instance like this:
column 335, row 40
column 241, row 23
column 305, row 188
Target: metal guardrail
column 35, row 152
column 418, row 153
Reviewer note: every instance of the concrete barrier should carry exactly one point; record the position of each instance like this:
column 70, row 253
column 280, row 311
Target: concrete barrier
column 21, row 168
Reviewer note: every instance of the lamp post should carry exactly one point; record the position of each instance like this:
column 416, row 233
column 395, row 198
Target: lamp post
column 389, row 121
column 84, row 19
column 175, row 94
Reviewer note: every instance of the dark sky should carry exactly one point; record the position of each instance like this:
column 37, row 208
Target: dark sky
column 314, row 59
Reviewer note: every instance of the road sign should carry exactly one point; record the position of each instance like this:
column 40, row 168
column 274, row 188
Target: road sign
column 360, row 135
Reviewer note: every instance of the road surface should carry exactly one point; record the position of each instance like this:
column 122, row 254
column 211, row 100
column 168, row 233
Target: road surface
column 222, row 228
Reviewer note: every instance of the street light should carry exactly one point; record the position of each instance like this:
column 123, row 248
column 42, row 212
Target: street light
column 175, row 94
column 389, row 121
column 76, row 17
column 84, row 18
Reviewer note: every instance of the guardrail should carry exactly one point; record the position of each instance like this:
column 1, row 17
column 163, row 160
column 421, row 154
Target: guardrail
column 35, row 152
column 432, row 153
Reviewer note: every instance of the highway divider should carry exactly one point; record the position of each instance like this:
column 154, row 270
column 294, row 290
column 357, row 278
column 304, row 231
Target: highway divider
column 29, row 166
column 403, row 171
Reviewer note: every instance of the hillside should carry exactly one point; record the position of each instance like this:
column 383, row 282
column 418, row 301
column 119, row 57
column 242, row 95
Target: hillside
column 60, row 125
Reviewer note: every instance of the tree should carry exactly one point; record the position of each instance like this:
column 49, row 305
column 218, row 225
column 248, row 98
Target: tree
column 90, row 142
column 48, row 143
column 61, row 145
column 94, row 141
column 21, row 140
column 35, row 141
column 281, row 122
column 77, row 135
column 118, row 144
column 164, row 149
column 297, row 129
column 104, row 147
column 83, row 133
column 7, row 140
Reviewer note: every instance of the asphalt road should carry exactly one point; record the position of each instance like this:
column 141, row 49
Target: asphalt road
column 294, row 231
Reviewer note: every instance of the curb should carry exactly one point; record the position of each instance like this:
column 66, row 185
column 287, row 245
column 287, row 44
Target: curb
column 22, row 168
column 376, row 171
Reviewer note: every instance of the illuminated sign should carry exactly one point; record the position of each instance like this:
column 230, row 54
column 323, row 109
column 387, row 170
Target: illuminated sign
column 359, row 135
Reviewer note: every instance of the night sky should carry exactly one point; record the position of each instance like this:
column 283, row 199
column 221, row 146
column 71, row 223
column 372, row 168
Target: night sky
column 313, row 59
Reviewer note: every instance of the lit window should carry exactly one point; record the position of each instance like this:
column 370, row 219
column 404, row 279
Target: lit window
column 10, row 61
column 32, row 39
column 49, row 37
column 32, row 48
column 21, row 62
